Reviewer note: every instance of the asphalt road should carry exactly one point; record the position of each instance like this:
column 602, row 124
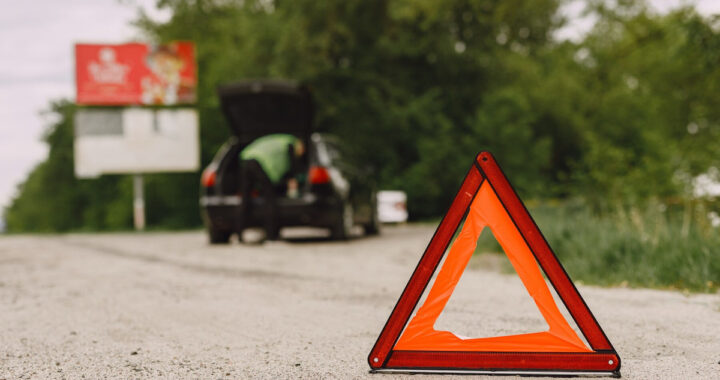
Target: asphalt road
column 167, row 305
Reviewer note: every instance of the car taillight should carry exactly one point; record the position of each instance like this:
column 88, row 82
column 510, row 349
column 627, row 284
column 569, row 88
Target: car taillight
column 208, row 177
column 318, row 175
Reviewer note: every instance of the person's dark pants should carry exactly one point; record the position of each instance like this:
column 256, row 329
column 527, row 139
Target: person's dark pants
column 252, row 176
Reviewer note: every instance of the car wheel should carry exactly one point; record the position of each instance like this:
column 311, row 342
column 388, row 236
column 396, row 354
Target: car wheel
column 373, row 227
column 218, row 236
column 344, row 224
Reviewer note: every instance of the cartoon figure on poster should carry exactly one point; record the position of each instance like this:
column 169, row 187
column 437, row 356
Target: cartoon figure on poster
column 166, row 85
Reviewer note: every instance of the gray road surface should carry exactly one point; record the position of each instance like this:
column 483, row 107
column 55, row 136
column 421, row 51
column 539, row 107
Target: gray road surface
column 167, row 305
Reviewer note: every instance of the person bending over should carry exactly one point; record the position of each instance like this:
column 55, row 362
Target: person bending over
column 265, row 165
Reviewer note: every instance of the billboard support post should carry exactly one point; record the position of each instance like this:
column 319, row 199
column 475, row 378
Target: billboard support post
column 138, row 202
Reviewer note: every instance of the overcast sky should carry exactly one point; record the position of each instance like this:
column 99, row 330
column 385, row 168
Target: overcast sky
column 36, row 64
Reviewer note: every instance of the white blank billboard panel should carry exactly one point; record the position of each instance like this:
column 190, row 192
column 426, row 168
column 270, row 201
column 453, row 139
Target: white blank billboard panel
column 135, row 140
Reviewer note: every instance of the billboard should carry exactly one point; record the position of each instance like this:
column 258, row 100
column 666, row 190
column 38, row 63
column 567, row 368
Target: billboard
column 135, row 140
column 135, row 74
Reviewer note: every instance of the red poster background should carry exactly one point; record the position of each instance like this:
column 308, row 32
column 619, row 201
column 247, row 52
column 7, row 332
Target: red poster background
column 135, row 73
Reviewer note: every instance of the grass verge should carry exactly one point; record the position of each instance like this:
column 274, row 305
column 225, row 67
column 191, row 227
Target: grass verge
column 657, row 247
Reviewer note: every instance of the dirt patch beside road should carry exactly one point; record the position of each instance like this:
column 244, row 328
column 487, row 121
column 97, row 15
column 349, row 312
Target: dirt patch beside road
column 168, row 305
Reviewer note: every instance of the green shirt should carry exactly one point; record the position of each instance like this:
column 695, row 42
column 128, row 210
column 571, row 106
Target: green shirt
column 272, row 153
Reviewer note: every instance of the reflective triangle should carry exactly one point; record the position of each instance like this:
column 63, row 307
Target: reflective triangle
column 486, row 199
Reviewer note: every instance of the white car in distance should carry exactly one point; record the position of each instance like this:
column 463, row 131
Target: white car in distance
column 392, row 206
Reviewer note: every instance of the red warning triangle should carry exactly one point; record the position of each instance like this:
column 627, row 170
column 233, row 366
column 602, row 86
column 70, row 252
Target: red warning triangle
column 486, row 199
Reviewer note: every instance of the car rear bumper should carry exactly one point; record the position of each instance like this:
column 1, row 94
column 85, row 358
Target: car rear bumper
column 225, row 212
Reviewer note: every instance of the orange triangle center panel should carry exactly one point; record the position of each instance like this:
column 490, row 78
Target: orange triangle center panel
column 486, row 211
column 411, row 344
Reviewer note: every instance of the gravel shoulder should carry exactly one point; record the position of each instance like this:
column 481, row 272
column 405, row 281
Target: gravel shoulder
column 167, row 305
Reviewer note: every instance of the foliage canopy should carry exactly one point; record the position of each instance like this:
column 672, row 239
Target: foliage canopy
column 417, row 87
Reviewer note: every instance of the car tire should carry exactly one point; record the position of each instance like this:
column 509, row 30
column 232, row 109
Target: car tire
column 373, row 227
column 343, row 224
column 218, row 236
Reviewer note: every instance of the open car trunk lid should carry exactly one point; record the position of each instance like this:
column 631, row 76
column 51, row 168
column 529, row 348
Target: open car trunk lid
column 261, row 107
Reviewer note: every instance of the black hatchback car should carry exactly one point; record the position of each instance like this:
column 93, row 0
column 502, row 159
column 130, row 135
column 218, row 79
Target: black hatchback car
column 333, row 194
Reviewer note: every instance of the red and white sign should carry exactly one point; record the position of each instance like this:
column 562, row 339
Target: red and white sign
column 135, row 73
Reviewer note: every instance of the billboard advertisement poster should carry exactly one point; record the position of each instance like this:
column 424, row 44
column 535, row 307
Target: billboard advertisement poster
column 135, row 74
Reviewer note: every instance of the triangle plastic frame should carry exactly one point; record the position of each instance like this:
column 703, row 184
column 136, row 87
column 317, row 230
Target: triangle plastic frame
column 602, row 360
